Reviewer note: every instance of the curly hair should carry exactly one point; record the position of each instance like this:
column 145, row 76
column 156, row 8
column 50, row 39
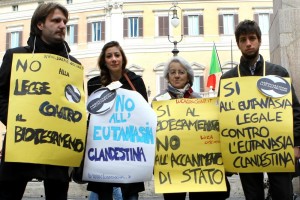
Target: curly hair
column 105, row 78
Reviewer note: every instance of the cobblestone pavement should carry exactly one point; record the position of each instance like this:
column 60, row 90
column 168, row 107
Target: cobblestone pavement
column 145, row 198
column 35, row 191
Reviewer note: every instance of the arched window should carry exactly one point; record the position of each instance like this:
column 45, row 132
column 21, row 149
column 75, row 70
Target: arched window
column 92, row 73
column 198, row 85
column 228, row 65
column 136, row 69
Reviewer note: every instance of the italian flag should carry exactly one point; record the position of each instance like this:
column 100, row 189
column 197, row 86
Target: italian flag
column 215, row 68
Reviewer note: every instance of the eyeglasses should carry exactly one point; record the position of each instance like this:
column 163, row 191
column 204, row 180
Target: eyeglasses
column 179, row 72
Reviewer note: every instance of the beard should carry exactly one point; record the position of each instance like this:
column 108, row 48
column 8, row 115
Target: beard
column 250, row 56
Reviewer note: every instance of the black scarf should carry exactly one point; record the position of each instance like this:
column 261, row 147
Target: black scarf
column 39, row 46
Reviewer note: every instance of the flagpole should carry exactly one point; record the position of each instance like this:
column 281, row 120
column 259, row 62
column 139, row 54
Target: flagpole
column 218, row 57
column 231, row 56
column 215, row 67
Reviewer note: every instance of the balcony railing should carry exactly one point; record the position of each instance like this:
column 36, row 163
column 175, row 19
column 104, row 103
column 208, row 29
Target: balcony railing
column 209, row 94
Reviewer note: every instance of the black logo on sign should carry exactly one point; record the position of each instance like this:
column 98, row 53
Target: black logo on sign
column 72, row 93
column 101, row 101
column 273, row 86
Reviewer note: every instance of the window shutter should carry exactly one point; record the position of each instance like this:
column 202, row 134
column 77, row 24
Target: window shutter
column 125, row 27
column 160, row 26
column 89, row 32
column 163, row 84
column 163, row 29
column 103, row 30
column 7, row 40
column 166, row 26
column 20, row 38
column 185, row 25
column 201, row 28
column 141, row 27
column 256, row 18
column 202, row 85
column 76, row 33
column 236, row 20
column 221, row 30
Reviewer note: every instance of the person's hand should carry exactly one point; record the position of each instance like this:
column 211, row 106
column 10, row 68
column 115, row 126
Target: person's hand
column 297, row 152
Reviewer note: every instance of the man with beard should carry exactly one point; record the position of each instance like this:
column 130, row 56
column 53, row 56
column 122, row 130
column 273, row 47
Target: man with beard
column 248, row 39
column 47, row 35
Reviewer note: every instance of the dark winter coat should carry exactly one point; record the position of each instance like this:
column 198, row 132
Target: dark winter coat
column 137, row 81
column 16, row 171
column 271, row 69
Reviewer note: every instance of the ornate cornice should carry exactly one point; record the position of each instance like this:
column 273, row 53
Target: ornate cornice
column 113, row 5
column 16, row 2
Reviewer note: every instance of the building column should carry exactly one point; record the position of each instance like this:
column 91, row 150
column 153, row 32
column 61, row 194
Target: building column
column 285, row 38
column 114, row 20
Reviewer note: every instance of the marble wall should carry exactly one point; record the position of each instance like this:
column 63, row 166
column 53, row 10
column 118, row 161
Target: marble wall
column 285, row 38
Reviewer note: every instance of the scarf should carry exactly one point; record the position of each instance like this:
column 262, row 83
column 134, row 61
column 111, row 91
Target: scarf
column 180, row 93
column 39, row 46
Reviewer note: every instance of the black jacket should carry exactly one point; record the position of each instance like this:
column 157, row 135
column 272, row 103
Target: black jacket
column 271, row 69
column 15, row 171
column 94, row 84
column 137, row 81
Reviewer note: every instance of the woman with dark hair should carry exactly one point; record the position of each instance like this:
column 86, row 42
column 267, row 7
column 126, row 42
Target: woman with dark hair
column 112, row 62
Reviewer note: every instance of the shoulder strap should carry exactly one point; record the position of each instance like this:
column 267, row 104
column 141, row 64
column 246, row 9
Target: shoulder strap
column 130, row 83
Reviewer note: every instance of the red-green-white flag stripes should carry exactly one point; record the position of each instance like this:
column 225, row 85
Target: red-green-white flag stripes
column 215, row 68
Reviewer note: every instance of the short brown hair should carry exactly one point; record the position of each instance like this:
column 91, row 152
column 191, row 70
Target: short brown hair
column 40, row 14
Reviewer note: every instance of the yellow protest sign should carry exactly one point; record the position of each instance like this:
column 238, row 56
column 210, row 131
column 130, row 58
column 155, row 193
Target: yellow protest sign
column 188, row 157
column 46, row 116
column 256, row 130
